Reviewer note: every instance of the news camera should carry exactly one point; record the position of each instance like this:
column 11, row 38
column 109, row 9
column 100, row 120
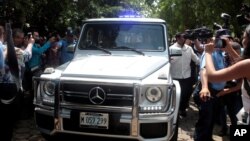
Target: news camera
column 220, row 43
column 222, row 30
column 198, row 33
column 244, row 17
column 226, row 18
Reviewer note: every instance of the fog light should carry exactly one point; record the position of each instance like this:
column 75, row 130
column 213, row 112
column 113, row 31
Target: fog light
column 151, row 109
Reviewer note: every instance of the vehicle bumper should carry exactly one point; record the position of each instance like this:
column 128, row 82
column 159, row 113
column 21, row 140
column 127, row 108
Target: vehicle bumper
column 148, row 126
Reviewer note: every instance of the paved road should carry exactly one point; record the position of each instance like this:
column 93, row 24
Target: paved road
column 25, row 130
column 186, row 129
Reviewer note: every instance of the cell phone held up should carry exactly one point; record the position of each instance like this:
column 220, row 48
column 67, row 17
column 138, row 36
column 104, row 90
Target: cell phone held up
column 220, row 43
column 29, row 34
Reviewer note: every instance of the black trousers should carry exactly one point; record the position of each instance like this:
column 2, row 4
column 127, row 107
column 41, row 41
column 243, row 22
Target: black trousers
column 207, row 115
column 9, row 112
column 186, row 91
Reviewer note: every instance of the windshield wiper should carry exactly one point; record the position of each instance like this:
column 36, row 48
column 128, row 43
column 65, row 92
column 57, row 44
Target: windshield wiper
column 100, row 48
column 130, row 49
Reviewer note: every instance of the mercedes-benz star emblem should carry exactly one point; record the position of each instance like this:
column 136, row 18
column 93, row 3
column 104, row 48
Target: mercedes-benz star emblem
column 97, row 95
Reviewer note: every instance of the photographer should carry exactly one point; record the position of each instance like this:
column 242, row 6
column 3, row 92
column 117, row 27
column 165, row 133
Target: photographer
column 34, row 68
column 230, row 96
column 35, row 62
column 236, row 71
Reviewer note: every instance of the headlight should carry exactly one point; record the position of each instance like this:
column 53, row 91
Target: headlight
column 153, row 94
column 49, row 88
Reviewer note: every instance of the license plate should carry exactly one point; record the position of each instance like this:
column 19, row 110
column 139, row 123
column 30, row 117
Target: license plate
column 94, row 120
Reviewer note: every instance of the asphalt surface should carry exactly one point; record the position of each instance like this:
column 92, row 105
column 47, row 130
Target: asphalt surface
column 25, row 130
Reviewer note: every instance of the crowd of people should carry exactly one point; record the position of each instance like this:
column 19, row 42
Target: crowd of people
column 221, row 84
column 217, row 66
column 22, row 56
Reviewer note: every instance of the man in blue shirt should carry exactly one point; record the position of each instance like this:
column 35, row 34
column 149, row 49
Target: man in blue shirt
column 34, row 65
column 208, row 105
column 33, row 68
column 67, row 46
column 35, row 62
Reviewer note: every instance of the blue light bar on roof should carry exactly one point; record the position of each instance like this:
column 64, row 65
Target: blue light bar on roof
column 130, row 16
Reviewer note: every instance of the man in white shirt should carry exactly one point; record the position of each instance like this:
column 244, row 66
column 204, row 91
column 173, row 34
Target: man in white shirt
column 181, row 70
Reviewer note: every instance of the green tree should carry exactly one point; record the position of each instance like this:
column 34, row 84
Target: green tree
column 59, row 14
column 49, row 15
column 189, row 14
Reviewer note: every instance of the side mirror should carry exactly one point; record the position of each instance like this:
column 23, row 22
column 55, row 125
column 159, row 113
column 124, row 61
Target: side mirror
column 175, row 51
column 71, row 48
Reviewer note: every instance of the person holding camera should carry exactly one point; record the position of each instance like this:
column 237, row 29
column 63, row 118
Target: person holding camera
column 35, row 62
column 181, row 70
column 230, row 96
column 34, row 67
column 208, row 102
column 236, row 71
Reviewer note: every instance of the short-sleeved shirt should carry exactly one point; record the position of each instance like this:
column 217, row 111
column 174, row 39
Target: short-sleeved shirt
column 65, row 55
column 219, row 63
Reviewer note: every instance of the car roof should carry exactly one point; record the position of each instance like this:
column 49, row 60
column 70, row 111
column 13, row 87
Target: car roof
column 151, row 20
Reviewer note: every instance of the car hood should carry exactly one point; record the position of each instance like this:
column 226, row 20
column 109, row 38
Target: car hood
column 123, row 67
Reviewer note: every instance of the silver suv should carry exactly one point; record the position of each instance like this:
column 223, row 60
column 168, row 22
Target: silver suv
column 118, row 84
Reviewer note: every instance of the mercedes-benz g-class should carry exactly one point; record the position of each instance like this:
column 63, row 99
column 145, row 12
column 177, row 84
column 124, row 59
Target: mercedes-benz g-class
column 117, row 85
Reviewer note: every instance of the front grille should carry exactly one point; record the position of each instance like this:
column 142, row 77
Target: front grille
column 115, row 127
column 115, row 95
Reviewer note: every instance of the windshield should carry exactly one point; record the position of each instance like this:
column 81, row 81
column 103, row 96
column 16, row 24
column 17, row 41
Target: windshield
column 143, row 37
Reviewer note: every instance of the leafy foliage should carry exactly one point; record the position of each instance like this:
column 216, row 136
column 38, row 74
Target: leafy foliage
column 190, row 14
column 49, row 15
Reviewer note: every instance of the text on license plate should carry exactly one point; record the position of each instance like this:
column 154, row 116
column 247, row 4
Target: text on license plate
column 95, row 120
